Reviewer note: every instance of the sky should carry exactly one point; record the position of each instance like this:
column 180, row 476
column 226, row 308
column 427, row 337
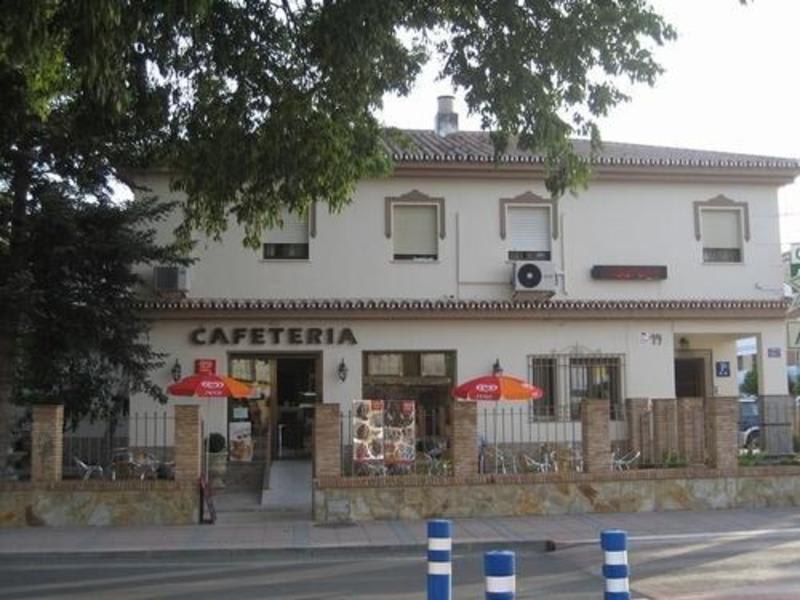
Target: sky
column 731, row 83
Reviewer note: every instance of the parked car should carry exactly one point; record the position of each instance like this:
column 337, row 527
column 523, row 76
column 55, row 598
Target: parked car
column 749, row 422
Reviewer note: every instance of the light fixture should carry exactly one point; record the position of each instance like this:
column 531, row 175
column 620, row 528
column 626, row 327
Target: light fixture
column 176, row 370
column 497, row 369
column 341, row 371
column 683, row 343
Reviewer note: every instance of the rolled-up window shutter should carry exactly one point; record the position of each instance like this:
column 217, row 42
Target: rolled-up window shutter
column 414, row 230
column 721, row 228
column 293, row 231
column 529, row 228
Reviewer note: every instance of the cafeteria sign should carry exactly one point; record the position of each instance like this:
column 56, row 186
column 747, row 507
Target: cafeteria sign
column 259, row 336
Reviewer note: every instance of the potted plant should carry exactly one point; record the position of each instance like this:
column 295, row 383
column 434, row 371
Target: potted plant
column 217, row 459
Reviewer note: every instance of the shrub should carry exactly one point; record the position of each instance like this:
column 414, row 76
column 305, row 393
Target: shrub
column 216, row 442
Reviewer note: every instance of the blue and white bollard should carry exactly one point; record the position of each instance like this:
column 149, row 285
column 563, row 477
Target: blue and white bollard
column 440, row 560
column 501, row 581
column 615, row 564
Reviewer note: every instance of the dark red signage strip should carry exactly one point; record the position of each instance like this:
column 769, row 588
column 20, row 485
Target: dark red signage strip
column 629, row 272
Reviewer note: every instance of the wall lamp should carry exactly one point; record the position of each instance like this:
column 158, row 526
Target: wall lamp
column 683, row 343
column 341, row 371
column 497, row 368
column 176, row 371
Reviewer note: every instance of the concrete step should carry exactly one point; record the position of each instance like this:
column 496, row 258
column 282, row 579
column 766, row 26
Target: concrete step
column 246, row 475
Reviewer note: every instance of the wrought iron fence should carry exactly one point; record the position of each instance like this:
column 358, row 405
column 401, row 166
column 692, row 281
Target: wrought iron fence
column 140, row 446
column 766, row 432
column 513, row 440
column 19, row 460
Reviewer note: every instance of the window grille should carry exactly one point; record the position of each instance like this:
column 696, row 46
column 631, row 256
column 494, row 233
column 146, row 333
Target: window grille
column 566, row 379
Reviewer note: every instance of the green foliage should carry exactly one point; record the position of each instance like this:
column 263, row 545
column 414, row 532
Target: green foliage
column 750, row 384
column 81, row 341
column 216, row 443
column 672, row 460
column 254, row 106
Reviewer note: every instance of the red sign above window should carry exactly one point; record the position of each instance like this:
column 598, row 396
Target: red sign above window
column 629, row 272
column 205, row 366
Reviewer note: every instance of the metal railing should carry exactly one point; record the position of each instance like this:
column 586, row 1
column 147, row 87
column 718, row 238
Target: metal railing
column 141, row 446
column 512, row 440
column 766, row 431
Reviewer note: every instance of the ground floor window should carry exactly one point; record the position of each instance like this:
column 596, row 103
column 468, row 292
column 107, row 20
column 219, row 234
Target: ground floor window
column 425, row 376
column 566, row 379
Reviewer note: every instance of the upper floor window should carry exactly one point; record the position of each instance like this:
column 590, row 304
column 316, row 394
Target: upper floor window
column 415, row 223
column 529, row 224
column 288, row 241
column 528, row 232
column 722, row 235
column 415, row 232
column 723, row 226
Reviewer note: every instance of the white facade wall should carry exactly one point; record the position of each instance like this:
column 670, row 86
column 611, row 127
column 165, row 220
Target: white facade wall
column 612, row 223
column 622, row 223
column 648, row 369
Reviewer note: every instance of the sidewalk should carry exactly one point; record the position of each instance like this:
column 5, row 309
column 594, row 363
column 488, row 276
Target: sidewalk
column 265, row 532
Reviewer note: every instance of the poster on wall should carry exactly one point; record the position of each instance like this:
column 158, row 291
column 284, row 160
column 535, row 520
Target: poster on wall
column 240, row 441
column 399, row 433
column 368, row 431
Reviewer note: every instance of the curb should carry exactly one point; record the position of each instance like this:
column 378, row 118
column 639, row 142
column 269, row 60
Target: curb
column 553, row 545
column 410, row 550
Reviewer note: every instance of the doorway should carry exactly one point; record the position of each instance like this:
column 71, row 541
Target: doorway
column 297, row 393
column 693, row 374
column 288, row 386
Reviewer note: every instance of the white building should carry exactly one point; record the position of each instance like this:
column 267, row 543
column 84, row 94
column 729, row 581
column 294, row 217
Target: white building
column 648, row 278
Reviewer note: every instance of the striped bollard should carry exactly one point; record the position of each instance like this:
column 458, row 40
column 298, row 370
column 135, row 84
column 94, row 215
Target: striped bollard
column 440, row 557
column 501, row 581
column 615, row 564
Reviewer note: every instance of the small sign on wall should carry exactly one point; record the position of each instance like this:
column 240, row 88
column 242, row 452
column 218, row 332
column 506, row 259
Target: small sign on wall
column 773, row 352
column 723, row 368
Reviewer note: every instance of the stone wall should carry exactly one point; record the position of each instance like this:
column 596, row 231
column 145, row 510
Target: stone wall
column 361, row 499
column 78, row 503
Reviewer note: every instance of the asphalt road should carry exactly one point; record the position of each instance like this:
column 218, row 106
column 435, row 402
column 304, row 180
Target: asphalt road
column 700, row 568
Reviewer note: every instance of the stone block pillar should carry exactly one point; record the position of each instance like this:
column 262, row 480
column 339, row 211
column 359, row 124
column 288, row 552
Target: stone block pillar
column 188, row 442
column 596, row 439
column 47, row 443
column 665, row 428
column 327, row 441
column 722, row 432
column 464, row 440
column 691, row 430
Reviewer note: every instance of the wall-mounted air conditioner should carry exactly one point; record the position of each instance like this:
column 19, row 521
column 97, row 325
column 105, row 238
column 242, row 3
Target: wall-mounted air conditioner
column 171, row 279
column 538, row 277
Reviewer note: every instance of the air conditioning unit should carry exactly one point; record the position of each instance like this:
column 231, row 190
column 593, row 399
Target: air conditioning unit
column 170, row 279
column 535, row 277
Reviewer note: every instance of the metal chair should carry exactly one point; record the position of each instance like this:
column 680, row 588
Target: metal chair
column 626, row 461
column 86, row 469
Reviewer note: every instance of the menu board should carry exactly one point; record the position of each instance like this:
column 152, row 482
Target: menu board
column 368, row 431
column 399, row 432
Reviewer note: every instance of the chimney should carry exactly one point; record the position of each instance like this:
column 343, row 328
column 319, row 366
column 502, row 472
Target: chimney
column 446, row 119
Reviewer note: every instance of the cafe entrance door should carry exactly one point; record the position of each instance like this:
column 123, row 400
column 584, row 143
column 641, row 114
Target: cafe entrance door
column 296, row 394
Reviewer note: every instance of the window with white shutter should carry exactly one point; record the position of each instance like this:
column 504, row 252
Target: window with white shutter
column 528, row 232
column 414, row 231
column 722, row 235
column 289, row 241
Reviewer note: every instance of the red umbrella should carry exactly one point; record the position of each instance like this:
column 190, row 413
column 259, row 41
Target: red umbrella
column 497, row 387
column 209, row 385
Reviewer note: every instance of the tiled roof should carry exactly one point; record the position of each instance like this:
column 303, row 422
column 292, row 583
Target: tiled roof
column 509, row 307
column 417, row 145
